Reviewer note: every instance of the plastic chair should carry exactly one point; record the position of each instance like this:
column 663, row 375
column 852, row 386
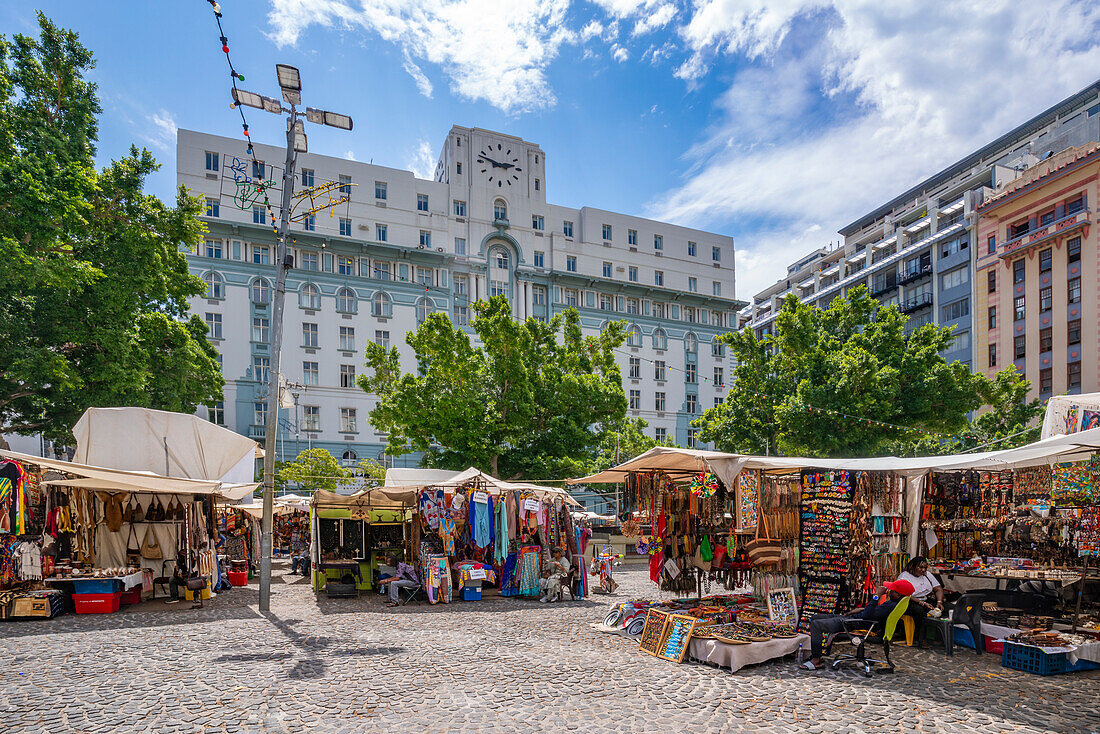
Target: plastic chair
column 859, row 632
column 967, row 614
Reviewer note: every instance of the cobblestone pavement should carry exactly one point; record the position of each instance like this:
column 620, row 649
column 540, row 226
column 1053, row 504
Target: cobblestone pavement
column 318, row 664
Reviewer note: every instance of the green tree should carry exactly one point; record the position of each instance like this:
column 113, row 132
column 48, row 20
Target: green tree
column 852, row 358
column 1005, row 424
column 619, row 440
column 527, row 403
column 94, row 312
column 371, row 470
column 314, row 469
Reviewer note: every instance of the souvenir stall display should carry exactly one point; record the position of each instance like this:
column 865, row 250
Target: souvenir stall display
column 351, row 540
column 824, row 560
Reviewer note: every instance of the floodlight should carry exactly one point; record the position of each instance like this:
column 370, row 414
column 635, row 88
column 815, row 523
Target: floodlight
column 290, row 81
column 248, row 99
column 315, row 115
column 272, row 105
column 300, row 143
column 335, row 119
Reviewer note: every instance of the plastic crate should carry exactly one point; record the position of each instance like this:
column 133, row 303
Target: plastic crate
column 96, row 586
column 133, row 596
column 994, row 645
column 238, row 578
column 1033, row 660
column 96, row 603
column 471, row 594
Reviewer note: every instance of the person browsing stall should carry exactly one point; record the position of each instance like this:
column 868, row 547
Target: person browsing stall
column 927, row 592
column 406, row 578
column 823, row 625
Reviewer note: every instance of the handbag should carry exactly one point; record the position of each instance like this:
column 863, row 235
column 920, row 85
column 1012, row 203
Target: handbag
column 764, row 551
column 138, row 514
column 196, row 583
column 149, row 547
column 156, row 515
column 133, row 551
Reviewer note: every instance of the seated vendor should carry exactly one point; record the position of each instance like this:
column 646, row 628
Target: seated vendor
column 927, row 593
column 823, row 625
column 557, row 569
column 406, row 578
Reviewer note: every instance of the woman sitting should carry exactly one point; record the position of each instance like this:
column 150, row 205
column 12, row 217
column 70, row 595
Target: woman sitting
column 927, row 593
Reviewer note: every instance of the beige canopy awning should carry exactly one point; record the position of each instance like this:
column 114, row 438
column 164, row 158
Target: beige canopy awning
column 118, row 480
column 402, row 485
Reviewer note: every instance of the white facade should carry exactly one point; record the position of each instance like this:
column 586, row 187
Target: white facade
column 404, row 247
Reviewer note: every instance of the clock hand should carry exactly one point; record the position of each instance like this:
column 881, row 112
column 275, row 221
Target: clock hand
column 495, row 163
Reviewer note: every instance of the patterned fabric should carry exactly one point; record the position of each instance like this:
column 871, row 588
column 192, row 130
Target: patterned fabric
column 529, row 571
column 509, row 580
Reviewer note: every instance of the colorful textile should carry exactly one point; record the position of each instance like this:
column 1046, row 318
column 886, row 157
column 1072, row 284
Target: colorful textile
column 447, row 533
column 1076, row 483
column 500, row 545
column 529, row 570
column 464, row 576
column 509, row 579
column 481, row 524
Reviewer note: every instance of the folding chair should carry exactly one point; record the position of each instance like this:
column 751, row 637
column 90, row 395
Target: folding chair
column 410, row 593
column 861, row 631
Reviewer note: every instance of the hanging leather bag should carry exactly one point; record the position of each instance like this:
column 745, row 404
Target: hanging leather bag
column 149, row 546
column 157, row 513
column 133, row 550
column 138, row 513
column 764, row 550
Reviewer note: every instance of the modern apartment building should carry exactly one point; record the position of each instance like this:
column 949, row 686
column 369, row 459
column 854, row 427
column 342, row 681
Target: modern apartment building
column 373, row 268
column 916, row 250
column 1038, row 275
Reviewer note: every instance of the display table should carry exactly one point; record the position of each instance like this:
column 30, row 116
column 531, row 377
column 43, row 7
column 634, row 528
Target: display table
column 95, row 585
column 735, row 657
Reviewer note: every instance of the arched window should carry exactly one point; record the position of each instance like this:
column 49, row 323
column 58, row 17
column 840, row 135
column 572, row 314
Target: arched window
column 633, row 336
column 381, row 305
column 346, row 302
column 660, row 339
column 215, row 286
column 424, row 309
column 261, row 291
column 309, row 297
column 691, row 343
column 501, row 259
column 349, row 458
column 500, row 210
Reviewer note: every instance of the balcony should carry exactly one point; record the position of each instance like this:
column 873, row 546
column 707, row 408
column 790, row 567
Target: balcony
column 881, row 289
column 1061, row 226
column 916, row 303
column 257, row 431
column 908, row 276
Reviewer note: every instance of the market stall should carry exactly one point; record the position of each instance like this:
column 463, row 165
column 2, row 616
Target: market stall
column 351, row 535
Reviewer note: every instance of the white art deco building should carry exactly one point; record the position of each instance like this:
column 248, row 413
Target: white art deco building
column 404, row 247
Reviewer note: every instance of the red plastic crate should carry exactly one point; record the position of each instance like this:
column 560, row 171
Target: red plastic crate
column 238, row 578
column 993, row 645
column 97, row 603
column 133, row 596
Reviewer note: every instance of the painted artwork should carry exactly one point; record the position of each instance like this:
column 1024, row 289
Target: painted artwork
column 782, row 606
column 1090, row 419
column 677, row 634
column 653, row 632
column 748, row 490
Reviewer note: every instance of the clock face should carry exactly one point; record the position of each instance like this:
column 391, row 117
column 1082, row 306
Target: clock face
column 501, row 165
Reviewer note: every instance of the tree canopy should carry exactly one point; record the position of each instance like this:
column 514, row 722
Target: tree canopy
column 94, row 310
column 792, row 389
column 527, row 401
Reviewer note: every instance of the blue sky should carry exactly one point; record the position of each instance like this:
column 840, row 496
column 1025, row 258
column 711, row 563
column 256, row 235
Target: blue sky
column 775, row 122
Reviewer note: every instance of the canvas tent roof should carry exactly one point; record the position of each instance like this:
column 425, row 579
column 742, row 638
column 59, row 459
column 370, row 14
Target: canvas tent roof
column 401, row 485
column 97, row 477
column 166, row 443
column 1071, row 413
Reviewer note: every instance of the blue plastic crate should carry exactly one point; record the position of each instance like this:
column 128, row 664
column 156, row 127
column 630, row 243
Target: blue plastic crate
column 471, row 593
column 1033, row 660
column 96, row 586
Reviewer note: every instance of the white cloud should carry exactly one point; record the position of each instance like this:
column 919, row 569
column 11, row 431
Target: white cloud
column 836, row 107
column 349, row 156
column 423, row 84
column 655, row 19
column 491, row 50
column 592, row 29
column 162, row 130
column 422, row 161
column 619, row 53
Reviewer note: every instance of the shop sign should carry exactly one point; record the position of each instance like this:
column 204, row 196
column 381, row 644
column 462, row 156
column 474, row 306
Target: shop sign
column 531, row 506
column 477, row 573
column 482, row 497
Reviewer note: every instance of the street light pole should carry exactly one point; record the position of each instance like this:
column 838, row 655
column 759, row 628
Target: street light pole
column 290, row 83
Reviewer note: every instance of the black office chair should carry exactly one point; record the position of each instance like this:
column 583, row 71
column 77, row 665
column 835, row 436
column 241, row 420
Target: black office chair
column 859, row 632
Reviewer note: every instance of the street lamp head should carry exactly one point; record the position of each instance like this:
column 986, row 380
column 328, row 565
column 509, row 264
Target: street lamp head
column 290, row 81
column 315, row 115
column 248, row 99
column 272, row 105
column 335, row 119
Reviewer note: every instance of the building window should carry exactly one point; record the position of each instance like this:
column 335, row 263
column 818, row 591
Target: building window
column 607, row 270
column 1074, row 290
column 540, row 259
column 460, row 208
column 1073, row 375
column 261, row 369
column 538, row 184
column 216, row 413
column 309, row 297
column 347, row 421
column 309, row 335
column 632, row 306
column 567, row 229
column 212, row 162
column 1045, row 258
column 380, row 190
column 993, row 355
column 424, row 308
column 347, row 338
column 261, row 255
column 214, row 325
column 955, row 278
column 259, row 215
column 460, row 245
column 307, row 177
column 571, row 297
column 1020, row 346
column 1019, row 311
column 381, row 271
column 422, row 202
column 462, row 315
column 632, row 237
column 691, row 402
column 213, row 209
column 719, row 377
column 382, row 338
column 992, row 314
column 992, row 280
column 660, row 310
column 571, row 264
column 991, row 244
column 345, row 184
column 659, row 402
column 1046, row 380
column 258, row 170
column 635, row 368
column 261, row 329
column 1073, row 332
column 658, row 277
column 633, row 336
column 311, row 374
column 693, row 285
column 660, row 339
column 689, row 314
column 425, row 238
column 345, row 227
column 538, row 295
column 1073, row 250
column 538, row 222
column 635, row 399
column 1046, row 339
column 691, row 249
column 310, row 223
column 349, row 458
column 659, row 370
column 261, row 291
column 693, row 437
column 215, row 286
column 955, row 310
column 660, row 435
column 717, row 349
column 346, row 302
column 605, row 302
column 259, row 413
column 1018, row 271
column 500, row 210
column 1045, row 298
column 690, row 373
column 345, row 265
column 716, row 288
column 311, row 417
column 381, row 232
column 607, row 231
column 1076, row 205
column 309, row 260
column 458, row 168
column 424, row 275
column 691, row 343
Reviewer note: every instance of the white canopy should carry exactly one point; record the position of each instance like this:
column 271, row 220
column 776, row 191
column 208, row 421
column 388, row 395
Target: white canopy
column 402, row 484
column 119, row 480
column 166, row 443
column 1071, row 413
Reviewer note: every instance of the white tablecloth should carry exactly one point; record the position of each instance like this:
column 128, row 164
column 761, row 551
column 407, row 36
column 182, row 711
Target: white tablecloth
column 736, row 657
